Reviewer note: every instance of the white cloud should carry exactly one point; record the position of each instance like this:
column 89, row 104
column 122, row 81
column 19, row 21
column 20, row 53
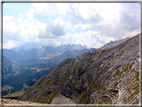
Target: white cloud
column 59, row 21
column 84, row 38
column 99, row 22
column 63, row 8
column 27, row 28
column 114, row 20
column 9, row 44
column 9, row 24
column 30, row 15
column 51, row 8
column 40, row 8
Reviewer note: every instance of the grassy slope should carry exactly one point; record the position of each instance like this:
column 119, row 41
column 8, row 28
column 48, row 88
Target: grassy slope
column 16, row 94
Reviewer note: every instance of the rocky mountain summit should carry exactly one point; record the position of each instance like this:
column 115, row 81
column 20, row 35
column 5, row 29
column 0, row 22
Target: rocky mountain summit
column 108, row 75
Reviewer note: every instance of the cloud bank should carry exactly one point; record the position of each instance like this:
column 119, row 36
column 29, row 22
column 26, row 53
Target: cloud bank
column 90, row 24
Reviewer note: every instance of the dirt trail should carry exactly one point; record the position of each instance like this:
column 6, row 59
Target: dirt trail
column 11, row 101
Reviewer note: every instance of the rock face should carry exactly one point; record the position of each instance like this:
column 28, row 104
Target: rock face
column 109, row 75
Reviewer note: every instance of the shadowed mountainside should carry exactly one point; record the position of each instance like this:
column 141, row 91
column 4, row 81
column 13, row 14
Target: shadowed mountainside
column 16, row 77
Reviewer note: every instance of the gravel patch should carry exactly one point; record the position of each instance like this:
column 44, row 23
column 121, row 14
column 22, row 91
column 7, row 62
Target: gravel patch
column 60, row 99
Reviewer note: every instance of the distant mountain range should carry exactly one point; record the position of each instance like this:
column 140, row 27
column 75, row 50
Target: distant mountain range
column 67, row 54
column 28, row 45
column 112, row 42
column 31, row 45
column 29, row 56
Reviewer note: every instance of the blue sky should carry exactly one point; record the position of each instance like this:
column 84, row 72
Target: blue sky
column 90, row 24
column 14, row 9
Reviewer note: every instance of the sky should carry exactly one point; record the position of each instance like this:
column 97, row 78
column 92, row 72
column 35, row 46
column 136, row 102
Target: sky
column 55, row 24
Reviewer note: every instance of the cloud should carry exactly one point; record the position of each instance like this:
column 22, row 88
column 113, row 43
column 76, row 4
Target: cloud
column 129, row 20
column 96, row 23
column 10, row 28
column 9, row 44
column 114, row 20
column 89, row 38
column 57, row 30
column 27, row 28
column 51, row 30
column 51, row 8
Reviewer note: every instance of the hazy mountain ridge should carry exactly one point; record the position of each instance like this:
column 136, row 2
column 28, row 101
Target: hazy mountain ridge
column 112, row 42
column 27, row 46
column 67, row 54
column 102, row 76
column 29, row 56
column 31, row 45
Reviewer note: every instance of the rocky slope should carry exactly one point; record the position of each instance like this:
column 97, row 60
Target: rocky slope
column 109, row 75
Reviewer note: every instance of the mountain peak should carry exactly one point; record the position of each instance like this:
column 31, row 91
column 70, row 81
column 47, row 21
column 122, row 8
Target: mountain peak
column 112, row 42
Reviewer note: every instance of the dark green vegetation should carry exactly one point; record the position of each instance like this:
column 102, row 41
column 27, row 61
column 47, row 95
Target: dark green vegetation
column 84, row 97
column 47, row 99
column 25, row 79
column 108, row 75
